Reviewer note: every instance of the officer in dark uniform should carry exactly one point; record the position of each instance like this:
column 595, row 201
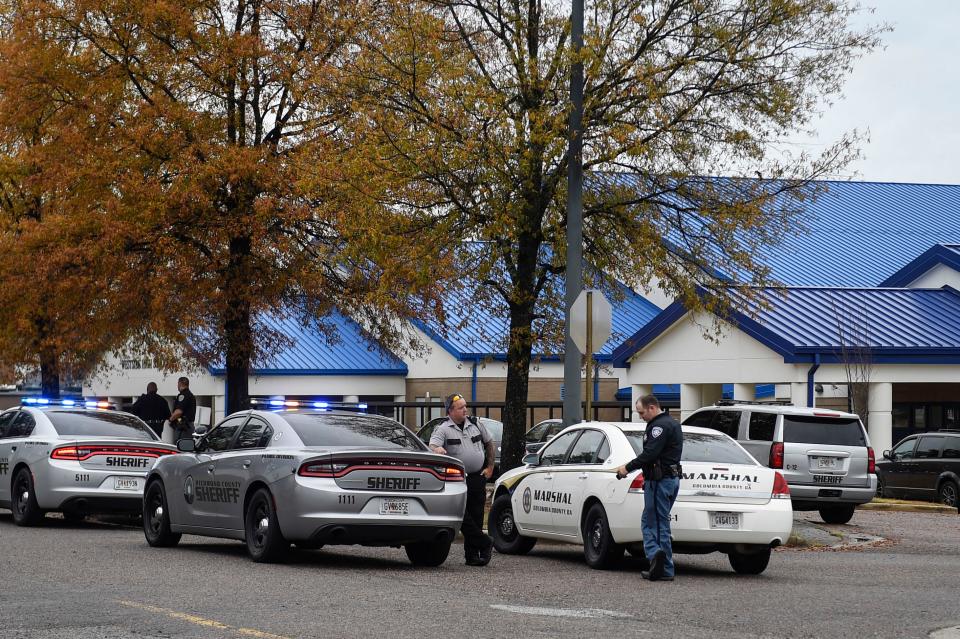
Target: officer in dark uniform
column 660, row 462
column 469, row 441
column 184, row 411
column 152, row 409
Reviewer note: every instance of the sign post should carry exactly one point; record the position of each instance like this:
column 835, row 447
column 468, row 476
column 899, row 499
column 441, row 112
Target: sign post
column 591, row 318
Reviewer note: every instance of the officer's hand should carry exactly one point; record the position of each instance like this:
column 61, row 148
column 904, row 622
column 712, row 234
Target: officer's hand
column 439, row 450
column 621, row 472
column 488, row 472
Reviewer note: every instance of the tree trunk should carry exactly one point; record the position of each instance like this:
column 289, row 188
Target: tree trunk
column 239, row 337
column 518, row 382
column 49, row 375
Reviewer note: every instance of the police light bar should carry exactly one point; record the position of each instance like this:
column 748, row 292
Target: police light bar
column 46, row 401
column 279, row 403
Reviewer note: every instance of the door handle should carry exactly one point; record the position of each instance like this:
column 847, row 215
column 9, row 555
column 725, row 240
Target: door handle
column 246, row 463
column 582, row 476
column 13, row 447
column 210, row 468
column 548, row 477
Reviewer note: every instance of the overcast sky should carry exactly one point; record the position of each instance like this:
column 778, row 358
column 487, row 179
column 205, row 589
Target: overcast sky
column 907, row 95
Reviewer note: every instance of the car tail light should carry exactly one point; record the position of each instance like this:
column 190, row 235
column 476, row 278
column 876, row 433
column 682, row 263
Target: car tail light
column 81, row 453
column 636, row 486
column 776, row 455
column 871, row 461
column 450, row 473
column 324, row 468
column 333, row 468
column 780, row 488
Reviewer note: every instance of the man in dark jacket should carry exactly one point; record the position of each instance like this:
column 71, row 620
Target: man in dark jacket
column 152, row 409
column 660, row 462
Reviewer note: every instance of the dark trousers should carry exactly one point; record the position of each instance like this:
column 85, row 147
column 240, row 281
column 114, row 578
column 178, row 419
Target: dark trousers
column 182, row 431
column 474, row 539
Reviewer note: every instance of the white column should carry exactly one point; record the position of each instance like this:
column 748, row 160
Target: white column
column 711, row 394
column 117, row 401
column 638, row 391
column 798, row 393
column 219, row 403
column 745, row 392
column 880, row 416
column 691, row 398
column 351, row 399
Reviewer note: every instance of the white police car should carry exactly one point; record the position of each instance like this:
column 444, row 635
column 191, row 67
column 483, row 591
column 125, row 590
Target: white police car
column 75, row 457
column 569, row 492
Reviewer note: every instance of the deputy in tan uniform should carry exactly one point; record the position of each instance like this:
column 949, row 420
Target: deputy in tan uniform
column 467, row 440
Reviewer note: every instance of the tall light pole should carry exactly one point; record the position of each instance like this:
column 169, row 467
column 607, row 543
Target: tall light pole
column 574, row 271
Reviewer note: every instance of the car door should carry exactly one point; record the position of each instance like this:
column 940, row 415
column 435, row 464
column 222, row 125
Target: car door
column 571, row 479
column 898, row 469
column 236, row 465
column 534, row 498
column 760, row 431
column 928, row 466
column 203, row 492
column 6, row 454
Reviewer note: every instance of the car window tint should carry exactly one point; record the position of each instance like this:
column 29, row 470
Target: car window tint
column 221, row 436
column 99, row 423
column 715, row 449
column 838, row 431
column 23, row 425
column 904, row 449
column 493, row 427
column 727, row 422
column 762, row 426
column 5, row 422
column 533, row 435
column 552, row 430
column 604, row 451
column 372, row 431
column 703, row 418
column 426, row 432
column 929, row 447
column 951, row 448
column 585, row 450
column 556, row 450
column 256, row 434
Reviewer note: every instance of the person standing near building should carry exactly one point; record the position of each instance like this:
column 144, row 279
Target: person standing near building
column 152, row 409
column 467, row 440
column 184, row 411
column 660, row 462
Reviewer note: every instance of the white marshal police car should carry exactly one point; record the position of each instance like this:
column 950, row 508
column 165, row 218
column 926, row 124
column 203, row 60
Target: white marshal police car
column 312, row 477
column 75, row 457
column 569, row 492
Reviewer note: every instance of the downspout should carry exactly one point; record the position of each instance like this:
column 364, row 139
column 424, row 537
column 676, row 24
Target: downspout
column 596, row 383
column 810, row 374
column 473, row 381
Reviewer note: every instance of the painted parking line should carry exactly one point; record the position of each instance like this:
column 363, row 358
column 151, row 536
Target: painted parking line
column 199, row 621
column 576, row 613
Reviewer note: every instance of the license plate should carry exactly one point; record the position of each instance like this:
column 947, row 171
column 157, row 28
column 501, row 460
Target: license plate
column 827, row 462
column 725, row 520
column 394, row 507
column 126, row 483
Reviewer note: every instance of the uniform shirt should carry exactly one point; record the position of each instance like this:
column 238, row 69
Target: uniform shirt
column 466, row 443
column 662, row 440
column 151, row 408
column 188, row 404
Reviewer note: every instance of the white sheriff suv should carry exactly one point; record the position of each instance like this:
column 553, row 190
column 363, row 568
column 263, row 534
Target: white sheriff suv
column 569, row 492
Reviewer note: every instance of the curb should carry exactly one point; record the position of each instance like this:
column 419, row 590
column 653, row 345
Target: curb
column 907, row 507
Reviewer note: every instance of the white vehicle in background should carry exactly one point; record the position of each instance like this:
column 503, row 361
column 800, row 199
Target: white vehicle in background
column 74, row 457
column 569, row 492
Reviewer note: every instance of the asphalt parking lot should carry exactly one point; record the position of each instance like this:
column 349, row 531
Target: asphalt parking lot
column 101, row 580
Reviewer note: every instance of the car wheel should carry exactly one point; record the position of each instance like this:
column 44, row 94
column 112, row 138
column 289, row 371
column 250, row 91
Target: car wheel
column 749, row 564
column 599, row 548
column 265, row 542
column 156, row 518
column 837, row 514
column 26, row 511
column 426, row 553
column 947, row 493
column 503, row 529
column 880, row 488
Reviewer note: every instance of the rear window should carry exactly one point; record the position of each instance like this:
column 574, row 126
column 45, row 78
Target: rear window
column 367, row 431
column 99, row 424
column 493, row 427
column 823, row 430
column 703, row 447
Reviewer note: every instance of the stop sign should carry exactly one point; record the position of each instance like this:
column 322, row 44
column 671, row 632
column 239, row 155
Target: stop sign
column 602, row 320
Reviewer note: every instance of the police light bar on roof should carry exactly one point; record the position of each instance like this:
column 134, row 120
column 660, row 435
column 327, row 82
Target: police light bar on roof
column 46, row 401
column 279, row 403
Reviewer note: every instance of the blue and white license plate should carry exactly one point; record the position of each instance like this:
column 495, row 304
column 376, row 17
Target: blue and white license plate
column 390, row 506
column 725, row 520
column 127, row 483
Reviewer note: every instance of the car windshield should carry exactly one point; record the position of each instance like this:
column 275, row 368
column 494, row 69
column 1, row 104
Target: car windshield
column 99, row 423
column 842, row 431
column 493, row 427
column 702, row 447
column 368, row 431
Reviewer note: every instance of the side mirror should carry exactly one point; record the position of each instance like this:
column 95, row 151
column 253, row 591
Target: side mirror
column 186, row 445
column 532, row 459
column 887, row 455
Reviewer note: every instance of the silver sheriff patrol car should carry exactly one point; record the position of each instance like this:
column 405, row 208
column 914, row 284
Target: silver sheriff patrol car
column 308, row 476
column 75, row 457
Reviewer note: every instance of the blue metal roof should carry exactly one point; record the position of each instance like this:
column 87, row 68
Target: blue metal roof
column 859, row 233
column 351, row 352
column 483, row 332
column 894, row 325
column 946, row 254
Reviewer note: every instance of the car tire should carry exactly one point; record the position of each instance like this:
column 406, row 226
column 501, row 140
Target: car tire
column 156, row 518
column 749, row 564
column 837, row 514
column 23, row 498
column 947, row 493
column 880, row 488
column 428, row 553
column 265, row 542
column 503, row 529
column 599, row 548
